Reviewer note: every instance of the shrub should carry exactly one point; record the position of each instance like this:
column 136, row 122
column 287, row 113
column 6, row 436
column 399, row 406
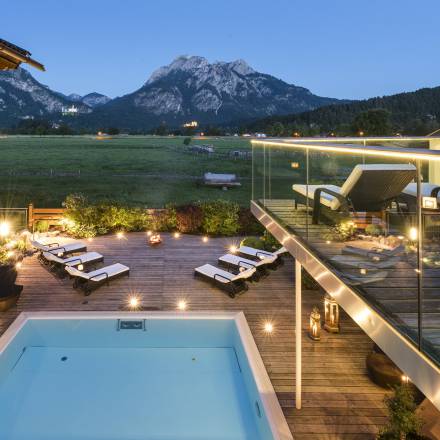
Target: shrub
column 403, row 420
column 343, row 231
column 187, row 141
column 220, row 217
column 254, row 242
column 248, row 223
column 41, row 226
column 189, row 218
column 374, row 230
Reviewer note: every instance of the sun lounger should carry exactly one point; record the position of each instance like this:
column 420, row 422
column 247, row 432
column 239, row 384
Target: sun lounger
column 375, row 254
column 271, row 259
column 369, row 188
column 232, row 283
column 88, row 281
column 239, row 263
column 58, row 264
column 356, row 262
column 409, row 194
column 59, row 249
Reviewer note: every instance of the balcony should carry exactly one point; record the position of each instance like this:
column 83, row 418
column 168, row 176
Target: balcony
column 362, row 216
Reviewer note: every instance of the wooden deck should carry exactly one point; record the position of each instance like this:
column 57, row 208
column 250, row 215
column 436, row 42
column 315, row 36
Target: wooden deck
column 339, row 401
column 395, row 295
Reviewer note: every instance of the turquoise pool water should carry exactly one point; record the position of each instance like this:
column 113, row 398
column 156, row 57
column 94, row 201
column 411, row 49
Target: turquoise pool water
column 163, row 379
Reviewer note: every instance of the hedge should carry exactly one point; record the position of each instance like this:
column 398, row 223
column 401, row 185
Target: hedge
column 218, row 217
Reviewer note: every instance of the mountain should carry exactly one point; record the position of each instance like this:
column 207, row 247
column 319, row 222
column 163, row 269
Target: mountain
column 23, row 97
column 95, row 99
column 415, row 112
column 92, row 100
column 191, row 88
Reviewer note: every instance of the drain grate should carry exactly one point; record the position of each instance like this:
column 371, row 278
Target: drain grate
column 131, row 324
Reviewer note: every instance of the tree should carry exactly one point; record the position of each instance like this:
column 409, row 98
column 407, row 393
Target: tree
column 375, row 122
column 187, row 141
column 162, row 130
column 113, row 131
column 277, row 129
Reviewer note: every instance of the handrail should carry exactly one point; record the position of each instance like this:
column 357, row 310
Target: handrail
column 369, row 150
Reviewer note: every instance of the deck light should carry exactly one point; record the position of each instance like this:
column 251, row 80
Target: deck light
column 80, row 266
column 10, row 254
column 328, row 242
column 413, row 234
column 315, row 324
column 133, row 302
column 176, row 234
column 205, row 239
column 331, row 316
column 182, row 305
column 90, row 239
column 268, row 327
column 363, row 271
column 405, row 379
column 5, row 229
column 233, row 249
column 149, row 233
column 120, row 235
column 18, row 265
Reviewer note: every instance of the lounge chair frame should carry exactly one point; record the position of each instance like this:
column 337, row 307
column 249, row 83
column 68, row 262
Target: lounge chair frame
column 260, row 270
column 232, row 287
column 59, row 268
column 88, row 285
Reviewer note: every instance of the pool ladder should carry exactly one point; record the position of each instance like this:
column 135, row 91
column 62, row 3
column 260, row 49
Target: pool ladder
column 131, row 324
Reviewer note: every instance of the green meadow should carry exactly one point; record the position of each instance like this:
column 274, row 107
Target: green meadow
column 135, row 170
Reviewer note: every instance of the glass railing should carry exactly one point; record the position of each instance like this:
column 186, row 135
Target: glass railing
column 370, row 210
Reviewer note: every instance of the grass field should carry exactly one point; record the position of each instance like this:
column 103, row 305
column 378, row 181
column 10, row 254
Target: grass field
column 141, row 171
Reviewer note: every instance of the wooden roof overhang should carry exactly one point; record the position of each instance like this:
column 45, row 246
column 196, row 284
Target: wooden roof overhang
column 11, row 56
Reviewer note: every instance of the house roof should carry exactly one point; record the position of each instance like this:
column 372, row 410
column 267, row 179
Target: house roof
column 11, row 56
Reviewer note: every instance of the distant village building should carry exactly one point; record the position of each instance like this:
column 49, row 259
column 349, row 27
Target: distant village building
column 69, row 111
column 191, row 124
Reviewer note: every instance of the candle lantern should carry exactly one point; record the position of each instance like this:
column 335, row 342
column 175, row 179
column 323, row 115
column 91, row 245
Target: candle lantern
column 331, row 318
column 315, row 324
column 154, row 239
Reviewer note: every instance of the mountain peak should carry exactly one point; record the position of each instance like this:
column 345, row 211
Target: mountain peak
column 183, row 62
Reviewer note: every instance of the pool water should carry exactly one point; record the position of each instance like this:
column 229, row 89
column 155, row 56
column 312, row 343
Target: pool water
column 85, row 379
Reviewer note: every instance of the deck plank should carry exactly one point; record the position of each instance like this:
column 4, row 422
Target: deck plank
column 339, row 401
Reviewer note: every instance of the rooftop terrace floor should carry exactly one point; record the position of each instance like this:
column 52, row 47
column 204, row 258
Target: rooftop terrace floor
column 339, row 401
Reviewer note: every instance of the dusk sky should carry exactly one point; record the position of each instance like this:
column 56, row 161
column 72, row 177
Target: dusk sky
column 339, row 48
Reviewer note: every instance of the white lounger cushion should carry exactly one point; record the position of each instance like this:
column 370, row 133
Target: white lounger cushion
column 68, row 247
column 269, row 257
column 332, row 202
column 75, row 260
column 235, row 260
column 326, row 199
column 99, row 274
column 426, row 189
column 224, row 276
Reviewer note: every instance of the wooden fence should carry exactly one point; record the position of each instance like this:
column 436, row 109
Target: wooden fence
column 51, row 215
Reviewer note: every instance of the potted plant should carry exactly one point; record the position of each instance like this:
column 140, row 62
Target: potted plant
column 11, row 252
column 403, row 421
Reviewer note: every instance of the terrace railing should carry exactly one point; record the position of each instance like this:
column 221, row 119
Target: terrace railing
column 362, row 215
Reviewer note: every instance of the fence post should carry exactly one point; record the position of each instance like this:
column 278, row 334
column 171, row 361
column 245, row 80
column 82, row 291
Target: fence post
column 30, row 216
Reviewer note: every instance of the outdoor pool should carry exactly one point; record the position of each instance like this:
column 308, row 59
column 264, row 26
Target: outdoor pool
column 124, row 376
